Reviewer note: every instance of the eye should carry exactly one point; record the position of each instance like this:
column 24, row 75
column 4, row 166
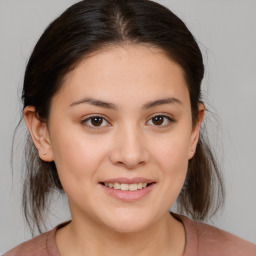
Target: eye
column 95, row 122
column 160, row 120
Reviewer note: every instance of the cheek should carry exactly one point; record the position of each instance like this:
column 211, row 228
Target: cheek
column 77, row 163
column 171, row 155
column 173, row 149
column 75, row 156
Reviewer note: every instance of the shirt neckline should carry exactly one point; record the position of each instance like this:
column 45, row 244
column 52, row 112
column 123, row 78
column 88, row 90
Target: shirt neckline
column 191, row 245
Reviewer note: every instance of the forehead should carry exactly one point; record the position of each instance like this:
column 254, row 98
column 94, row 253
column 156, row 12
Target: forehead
column 135, row 71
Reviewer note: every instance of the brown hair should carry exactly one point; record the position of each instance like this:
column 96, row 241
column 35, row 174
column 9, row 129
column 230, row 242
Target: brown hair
column 88, row 26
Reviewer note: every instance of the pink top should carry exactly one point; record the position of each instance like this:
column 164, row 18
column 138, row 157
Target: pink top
column 201, row 240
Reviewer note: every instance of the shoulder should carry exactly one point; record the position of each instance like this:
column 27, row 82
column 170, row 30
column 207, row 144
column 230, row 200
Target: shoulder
column 210, row 241
column 225, row 243
column 41, row 245
column 35, row 246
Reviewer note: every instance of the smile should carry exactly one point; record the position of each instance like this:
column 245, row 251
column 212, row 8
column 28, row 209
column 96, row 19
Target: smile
column 126, row 187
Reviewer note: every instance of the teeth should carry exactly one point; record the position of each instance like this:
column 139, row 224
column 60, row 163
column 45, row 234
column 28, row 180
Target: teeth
column 117, row 185
column 133, row 187
column 126, row 187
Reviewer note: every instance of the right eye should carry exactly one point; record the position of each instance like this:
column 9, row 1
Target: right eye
column 95, row 122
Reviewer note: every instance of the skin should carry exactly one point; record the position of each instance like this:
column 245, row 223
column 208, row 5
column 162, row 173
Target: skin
column 126, row 144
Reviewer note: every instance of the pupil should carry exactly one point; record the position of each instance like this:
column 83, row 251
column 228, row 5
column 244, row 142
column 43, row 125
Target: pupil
column 158, row 120
column 96, row 121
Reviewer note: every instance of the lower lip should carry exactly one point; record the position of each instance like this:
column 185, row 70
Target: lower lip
column 128, row 195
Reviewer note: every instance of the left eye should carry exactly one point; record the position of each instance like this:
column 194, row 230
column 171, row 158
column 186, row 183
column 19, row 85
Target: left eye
column 160, row 120
column 95, row 121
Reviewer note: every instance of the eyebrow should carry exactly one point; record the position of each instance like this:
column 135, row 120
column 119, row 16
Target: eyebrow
column 103, row 104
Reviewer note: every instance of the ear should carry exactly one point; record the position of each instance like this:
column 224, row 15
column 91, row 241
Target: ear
column 39, row 134
column 196, row 130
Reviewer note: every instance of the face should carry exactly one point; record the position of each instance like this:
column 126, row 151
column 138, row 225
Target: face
column 122, row 119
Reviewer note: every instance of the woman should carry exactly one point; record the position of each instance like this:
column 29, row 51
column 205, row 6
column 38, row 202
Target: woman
column 113, row 105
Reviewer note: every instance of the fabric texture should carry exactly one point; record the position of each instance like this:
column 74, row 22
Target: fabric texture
column 201, row 240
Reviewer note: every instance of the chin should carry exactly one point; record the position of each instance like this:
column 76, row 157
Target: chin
column 128, row 223
column 128, row 227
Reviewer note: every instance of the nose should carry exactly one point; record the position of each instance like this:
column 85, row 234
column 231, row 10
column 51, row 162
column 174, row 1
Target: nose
column 129, row 149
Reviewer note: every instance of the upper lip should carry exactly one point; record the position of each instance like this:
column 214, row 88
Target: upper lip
column 128, row 180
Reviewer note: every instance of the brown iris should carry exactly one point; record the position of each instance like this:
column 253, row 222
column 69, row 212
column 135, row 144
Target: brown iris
column 158, row 120
column 96, row 121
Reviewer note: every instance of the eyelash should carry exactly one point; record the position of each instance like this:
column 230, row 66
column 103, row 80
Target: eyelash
column 169, row 120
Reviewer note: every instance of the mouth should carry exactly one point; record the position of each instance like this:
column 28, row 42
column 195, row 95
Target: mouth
column 128, row 189
column 126, row 186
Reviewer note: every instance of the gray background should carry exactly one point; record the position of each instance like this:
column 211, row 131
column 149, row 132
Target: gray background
column 226, row 32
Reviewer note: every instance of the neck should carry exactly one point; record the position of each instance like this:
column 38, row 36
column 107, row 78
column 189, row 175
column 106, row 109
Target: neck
column 165, row 237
